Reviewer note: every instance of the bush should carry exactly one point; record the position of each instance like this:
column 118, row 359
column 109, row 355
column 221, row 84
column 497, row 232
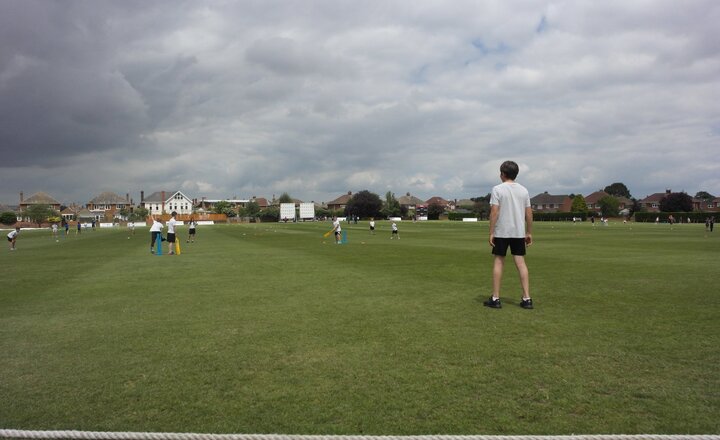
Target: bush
column 695, row 217
column 558, row 216
column 8, row 218
column 270, row 214
column 461, row 215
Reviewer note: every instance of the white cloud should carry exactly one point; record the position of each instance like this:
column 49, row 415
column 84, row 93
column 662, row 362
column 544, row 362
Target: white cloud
column 322, row 98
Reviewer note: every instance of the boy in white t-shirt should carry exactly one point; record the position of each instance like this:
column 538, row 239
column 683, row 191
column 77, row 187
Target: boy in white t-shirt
column 12, row 237
column 155, row 232
column 394, row 232
column 510, row 226
column 338, row 230
column 171, row 233
column 372, row 226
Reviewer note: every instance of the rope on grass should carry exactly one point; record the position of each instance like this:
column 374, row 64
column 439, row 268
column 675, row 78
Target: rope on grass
column 98, row 435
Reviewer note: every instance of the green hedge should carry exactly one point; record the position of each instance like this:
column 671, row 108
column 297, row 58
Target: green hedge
column 695, row 217
column 558, row 216
column 461, row 215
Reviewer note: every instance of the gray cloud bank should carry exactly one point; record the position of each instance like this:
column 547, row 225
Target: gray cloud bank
column 318, row 98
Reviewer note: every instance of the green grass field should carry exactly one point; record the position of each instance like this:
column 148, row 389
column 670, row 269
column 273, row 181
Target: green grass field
column 270, row 328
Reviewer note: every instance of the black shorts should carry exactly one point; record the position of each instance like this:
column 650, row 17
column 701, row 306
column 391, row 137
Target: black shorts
column 10, row 239
column 372, row 228
column 516, row 245
column 170, row 238
column 192, row 231
column 395, row 232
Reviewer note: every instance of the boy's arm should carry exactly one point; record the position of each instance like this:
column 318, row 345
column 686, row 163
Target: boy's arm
column 528, row 225
column 494, row 211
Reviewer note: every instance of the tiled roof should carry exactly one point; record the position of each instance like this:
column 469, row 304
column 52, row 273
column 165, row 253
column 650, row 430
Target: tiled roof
column 408, row 200
column 546, row 199
column 438, row 200
column 40, row 198
column 108, row 198
column 342, row 200
column 594, row 197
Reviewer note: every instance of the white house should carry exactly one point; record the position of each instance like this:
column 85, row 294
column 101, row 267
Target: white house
column 165, row 202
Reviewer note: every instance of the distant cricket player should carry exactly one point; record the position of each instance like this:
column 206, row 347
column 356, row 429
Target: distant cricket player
column 12, row 237
column 171, row 233
column 394, row 232
column 155, row 232
column 338, row 230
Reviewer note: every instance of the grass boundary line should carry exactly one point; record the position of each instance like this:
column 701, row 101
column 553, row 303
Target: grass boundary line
column 101, row 435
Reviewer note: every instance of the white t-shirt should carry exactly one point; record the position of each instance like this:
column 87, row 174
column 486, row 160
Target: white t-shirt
column 372, row 223
column 394, row 227
column 13, row 234
column 193, row 224
column 171, row 225
column 54, row 228
column 156, row 226
column 336, row 225
column 512, row 198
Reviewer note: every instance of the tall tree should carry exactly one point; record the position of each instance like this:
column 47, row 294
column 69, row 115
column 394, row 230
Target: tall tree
column 435, row 210
column 579, row 204
column 364, row 204
column 391, row 207
column 618, row 189
column 609, row 206
column 704, row 195
column 676, row 202
column 39, row 213
column 285, row 198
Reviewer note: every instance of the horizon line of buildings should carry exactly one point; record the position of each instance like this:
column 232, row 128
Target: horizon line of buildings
column 108, row 204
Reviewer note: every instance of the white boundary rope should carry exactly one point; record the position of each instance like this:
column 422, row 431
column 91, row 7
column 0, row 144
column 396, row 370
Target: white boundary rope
column 98, row 435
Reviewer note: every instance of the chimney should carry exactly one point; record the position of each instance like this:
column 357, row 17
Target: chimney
column 127, row 197
column 667, row 191
column 142, row 196
column 21, row 197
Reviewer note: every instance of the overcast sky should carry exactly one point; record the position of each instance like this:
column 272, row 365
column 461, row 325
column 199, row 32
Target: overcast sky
column 317, row 98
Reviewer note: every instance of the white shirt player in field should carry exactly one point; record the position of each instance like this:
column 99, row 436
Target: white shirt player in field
column 510, row 227
column 171, row 233
column 155, row 232
column 338, row 230
column 12, row 237
column 394, row 232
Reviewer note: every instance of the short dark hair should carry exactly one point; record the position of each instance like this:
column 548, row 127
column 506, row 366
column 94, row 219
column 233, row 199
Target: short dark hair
column 174, row 213
column 510, row 169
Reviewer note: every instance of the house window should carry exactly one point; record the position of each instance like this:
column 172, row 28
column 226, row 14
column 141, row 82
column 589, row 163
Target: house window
column 654, row 205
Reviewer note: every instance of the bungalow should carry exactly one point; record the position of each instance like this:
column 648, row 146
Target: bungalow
column 440, row 201
column 413, row 203
column 340, row 203
column 546, row 202
column 706, row 205
column 651, row 203
column 165, row 202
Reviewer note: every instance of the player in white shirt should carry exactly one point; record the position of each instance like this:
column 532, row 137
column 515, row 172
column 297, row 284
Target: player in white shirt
column 171, row 233
column 192, row 227
column 12, row 237
column 394, row 232
column 55, row 231
column 372, row 226
column 338, row 230
column 155, row 231
column 510, row 226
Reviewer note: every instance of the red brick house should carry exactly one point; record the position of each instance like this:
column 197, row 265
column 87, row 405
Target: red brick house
column 551, row 203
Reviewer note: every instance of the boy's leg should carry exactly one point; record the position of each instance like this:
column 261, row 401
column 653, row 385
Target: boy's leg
column 524, row 275
column 498, row 265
